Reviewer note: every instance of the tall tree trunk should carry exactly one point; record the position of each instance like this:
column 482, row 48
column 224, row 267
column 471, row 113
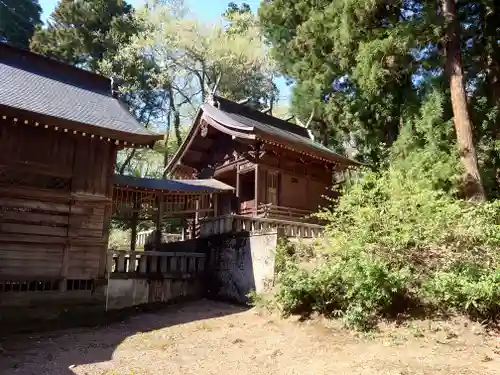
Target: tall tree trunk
column 166, row 156
column 491, row 53
column 461, row 117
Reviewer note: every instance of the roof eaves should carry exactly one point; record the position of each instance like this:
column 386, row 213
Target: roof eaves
column 324, row 155
column 56, row 122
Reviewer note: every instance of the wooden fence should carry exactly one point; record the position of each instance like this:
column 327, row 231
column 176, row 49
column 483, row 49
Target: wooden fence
column 137, row 264
column 237, row 223
column 166, row 237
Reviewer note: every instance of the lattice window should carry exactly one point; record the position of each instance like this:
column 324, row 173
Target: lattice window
column 79, row 285
column 29, row 286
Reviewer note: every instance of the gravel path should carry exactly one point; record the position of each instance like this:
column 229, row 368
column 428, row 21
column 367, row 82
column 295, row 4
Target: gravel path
column 214, row 338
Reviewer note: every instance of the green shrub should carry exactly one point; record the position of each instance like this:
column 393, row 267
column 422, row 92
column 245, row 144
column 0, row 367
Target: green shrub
column 468, row 289
column 408, row 222
column 401, row 235
column 295, row 295
column 285, row 252
column 358, row 288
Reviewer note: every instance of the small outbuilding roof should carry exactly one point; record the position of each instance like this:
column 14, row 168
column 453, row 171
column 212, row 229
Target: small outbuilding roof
column 166, row 185
column 59, row 94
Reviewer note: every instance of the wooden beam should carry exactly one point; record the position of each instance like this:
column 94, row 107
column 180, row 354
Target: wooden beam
column 256, row 194
column 159, row 217
column 133, row 236
column 238, row 183
column 238, row 186
column 196, row 216
column 215, row 200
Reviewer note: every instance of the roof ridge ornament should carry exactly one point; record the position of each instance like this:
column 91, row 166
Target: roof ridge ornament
column 114, row 87
column 307, row 124
column 210, row 98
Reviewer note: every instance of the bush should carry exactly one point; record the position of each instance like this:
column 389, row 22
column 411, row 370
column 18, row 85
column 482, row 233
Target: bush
column 468, row 289
column 394, row 239
column 357, row 288
column 398, row 235
column 403, row 233
column 405, row 221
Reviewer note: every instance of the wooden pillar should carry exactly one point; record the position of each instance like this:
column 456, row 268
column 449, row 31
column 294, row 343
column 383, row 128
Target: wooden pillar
column 108, row 211
column 133, row 235
column 196, row 217
column 256, row 194
column 159, row 217
column 238, row 184
column 215, row 202
column 133, row 225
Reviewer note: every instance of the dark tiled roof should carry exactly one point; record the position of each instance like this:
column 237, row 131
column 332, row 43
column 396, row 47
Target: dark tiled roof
column 285, row 131
column 189, row 186
column 42, row 86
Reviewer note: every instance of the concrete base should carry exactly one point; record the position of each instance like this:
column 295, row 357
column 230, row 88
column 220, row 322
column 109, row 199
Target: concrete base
column 240, row 263
column 122, row 293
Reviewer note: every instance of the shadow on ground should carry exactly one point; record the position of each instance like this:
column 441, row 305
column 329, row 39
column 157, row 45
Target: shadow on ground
column 56, row 353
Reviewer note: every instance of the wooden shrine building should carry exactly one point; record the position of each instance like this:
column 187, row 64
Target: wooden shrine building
column 60, row 130
column 156, row 201
column 277, row 168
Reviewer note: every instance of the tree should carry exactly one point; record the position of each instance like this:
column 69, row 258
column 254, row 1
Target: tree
column 84, row 32
column 352, row 64
column 18, row 20
column 193, row 58
column 365, row 68
column 461, row 117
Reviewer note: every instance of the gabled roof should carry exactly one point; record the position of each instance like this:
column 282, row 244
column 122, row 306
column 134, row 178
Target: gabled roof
column 166, row 185
column 57, row 93
column 245, row 122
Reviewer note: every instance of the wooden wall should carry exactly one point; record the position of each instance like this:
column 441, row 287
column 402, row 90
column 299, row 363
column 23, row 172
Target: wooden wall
column 302, row 183
column 55, row 190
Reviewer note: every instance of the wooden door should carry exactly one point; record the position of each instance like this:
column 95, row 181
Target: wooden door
column 272, row 187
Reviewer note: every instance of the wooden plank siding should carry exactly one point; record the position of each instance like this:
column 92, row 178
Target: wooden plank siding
column 301, row 182
column 55, row 194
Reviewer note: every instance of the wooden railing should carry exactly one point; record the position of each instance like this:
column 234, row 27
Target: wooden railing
column 269, row 210
column 281, row 212
column 167, row 237
column 239, row 223
column 152, row 263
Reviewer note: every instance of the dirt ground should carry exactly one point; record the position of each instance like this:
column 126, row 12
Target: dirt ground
column 214, row 338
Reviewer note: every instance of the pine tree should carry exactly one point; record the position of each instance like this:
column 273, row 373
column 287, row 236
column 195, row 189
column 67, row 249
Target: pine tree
column 18, row 20
column 82, row 33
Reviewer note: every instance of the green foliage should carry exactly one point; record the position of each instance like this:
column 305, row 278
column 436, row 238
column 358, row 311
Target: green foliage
column 469, row 289
column 82, row 33
column 285, row 252
column 356, row 287
column 353, row 63
column 365, row 67
column 394, row 238
column 18, row 20
column 400, row 237
column 119, row 239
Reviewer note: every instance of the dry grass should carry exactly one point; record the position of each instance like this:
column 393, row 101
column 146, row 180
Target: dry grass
column 213, row 338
